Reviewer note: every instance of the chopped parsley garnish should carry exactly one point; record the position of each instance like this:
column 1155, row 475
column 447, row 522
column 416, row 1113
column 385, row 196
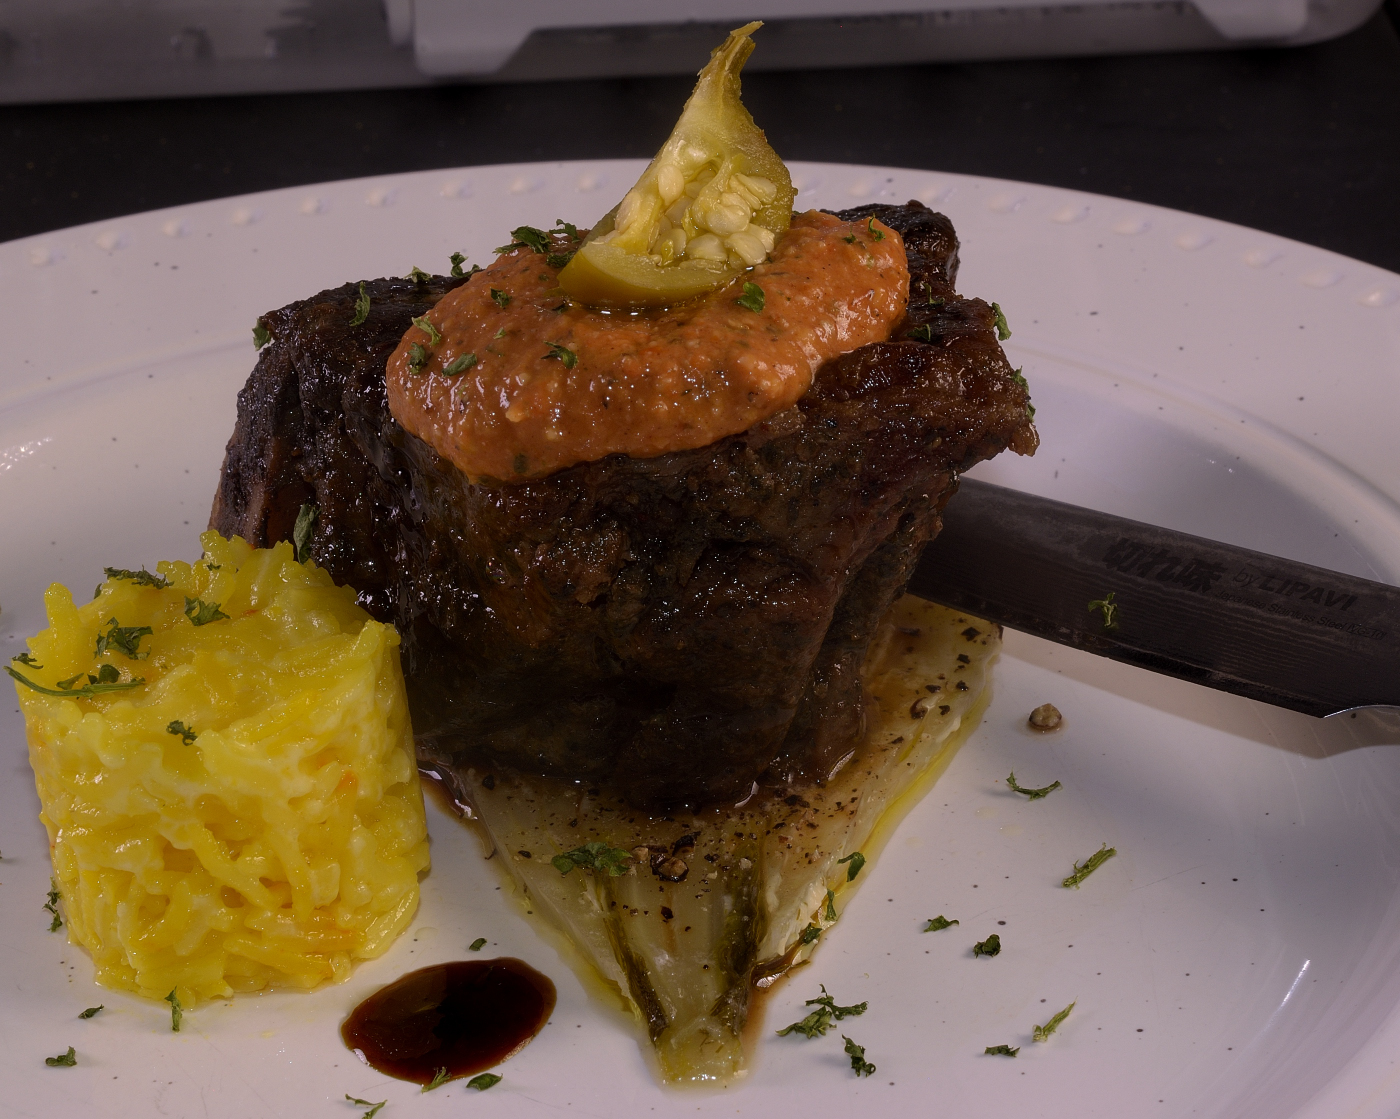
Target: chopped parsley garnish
column 417, row 275
column 483, row 1081
column 373, row 1107
column 752, row 299
column 261, row 335
column 201, row 613
column 857, row 860
column 91, row 1011
column 570, row 230
column 1089, row 865
column 1042, row 1033
column 939, row 923
column 1001, row 1051
column 500, row 298
column 105, row 681
column 809, row 934
column 819, row 1021
column 875, row 234
column 142, row 578
column 425, row 324
column 596, row 856
column 563, row 353
column 989, row 947
column 1031, row 794
column 526, row 237
column 26, row 659
column 921, row 333
column 52, row 906
column 302, row 532
column 63, row 1060
column 459, row 364
column 1017, row 376
column 417, row 357
column 457, row 260
column 558, row 260
column 830, row 914
column 177, row 1012
column 999, row 320
column 187, row 736
column 850, row 239
column 859, row 1065
column 438, row 1080
column 477, row 945
column 1109, row 608
column 124, row 639
column 361, row 307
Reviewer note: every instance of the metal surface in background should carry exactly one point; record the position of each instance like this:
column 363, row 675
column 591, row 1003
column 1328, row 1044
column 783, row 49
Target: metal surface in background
column 1267, row 628
column 78, row 50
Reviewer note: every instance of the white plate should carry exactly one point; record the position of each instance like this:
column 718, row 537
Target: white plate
column 1238, row 958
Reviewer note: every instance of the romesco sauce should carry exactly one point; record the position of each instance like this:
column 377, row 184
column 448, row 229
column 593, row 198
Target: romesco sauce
column 538, row 383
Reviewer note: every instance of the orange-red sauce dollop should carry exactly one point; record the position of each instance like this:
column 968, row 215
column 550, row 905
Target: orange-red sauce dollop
column 554, row 384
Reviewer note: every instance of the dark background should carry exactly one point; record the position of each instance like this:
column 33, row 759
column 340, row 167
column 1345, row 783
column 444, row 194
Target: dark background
column 1303, row 142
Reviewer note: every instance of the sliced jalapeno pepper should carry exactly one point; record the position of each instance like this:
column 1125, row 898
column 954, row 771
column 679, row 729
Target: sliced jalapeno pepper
column 708, row 207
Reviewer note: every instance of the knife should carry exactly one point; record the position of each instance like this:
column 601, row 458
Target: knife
column 1272, row 629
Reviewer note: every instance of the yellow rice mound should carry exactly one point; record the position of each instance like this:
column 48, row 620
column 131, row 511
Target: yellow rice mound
column 282, row 843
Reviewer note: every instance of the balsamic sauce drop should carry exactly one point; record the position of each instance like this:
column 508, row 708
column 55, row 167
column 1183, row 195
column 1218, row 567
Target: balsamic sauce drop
column 464, row 1016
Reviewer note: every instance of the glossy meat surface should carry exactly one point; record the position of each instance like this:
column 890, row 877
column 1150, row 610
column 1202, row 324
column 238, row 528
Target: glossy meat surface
column 679, row 627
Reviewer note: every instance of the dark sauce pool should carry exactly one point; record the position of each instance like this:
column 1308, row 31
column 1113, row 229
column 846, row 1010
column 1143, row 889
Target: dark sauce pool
column 464, row 1016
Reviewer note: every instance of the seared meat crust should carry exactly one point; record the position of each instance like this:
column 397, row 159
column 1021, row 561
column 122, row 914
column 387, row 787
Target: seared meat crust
column 680, row 627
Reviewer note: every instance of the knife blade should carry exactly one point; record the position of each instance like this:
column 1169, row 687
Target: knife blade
column 1272, row 629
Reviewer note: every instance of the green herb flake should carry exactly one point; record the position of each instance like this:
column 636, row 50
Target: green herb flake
column 857, row 861
column 1031, row 794
column 563, row 353
column 106, row 674
column 875, row 234
column 459, row 364
column 999, row 320
column 520, row 464
column 1042, row 1033
column 417, row 275
column 361, row 307
column 595, row 856
column 438, row 1080
column 477, row 945
column 830, row 914
column 1001, row 1051
column 483, row 1081
column 809, row 934
column 819, row 1021
column 1109, row 608
column 921, row 333
column 261, row 335
column 63, row 1060
column 939, row 923
column 91, row 1012
column 373, row 1107
column 302, row 531
column 859, row 1065
column 989, row 947
column 123, row 639
column 1089, row 865
column 417, row 358
column 142, row 578
column 27, row 660
column 97, row 684
column 201, row 613
column 425, row 324
column 186, row 735
column 752, row 299
column 850, row 239
column 500, row 298
column 526, row 237
column 558, row 260
column 570, row 230
column 177, row 1012
column 457, row 259
column 52, row 906
column 1019, row 378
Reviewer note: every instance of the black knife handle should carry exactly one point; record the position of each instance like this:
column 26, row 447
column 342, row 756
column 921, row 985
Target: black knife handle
column 1271, row 629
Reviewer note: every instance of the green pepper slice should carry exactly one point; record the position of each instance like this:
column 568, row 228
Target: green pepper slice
column 709, row 206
